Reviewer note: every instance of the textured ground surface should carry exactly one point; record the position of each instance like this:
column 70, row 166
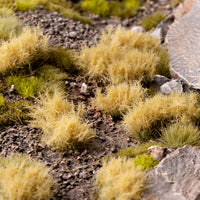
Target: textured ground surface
column 74, row 170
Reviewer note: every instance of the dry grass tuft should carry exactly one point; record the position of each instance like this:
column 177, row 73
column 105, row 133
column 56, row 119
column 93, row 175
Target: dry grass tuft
column 122, row 55
column 144, row 120
column 179, row 134
column 119, row 179
column 22, row 178
column 22, row 50
column 118, row 99
column 69, row 131
column 62, row 125
column 9, row 26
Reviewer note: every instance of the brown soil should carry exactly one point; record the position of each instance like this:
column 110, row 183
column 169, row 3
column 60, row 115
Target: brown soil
column 74, row 170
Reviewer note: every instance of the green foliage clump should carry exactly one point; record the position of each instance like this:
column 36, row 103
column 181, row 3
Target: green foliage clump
column 24, row 5
column 61, row 58
column 9, row 26
column 145, row 120
column 123, row 56
column 132, row 4
column 13, row 112
column 99, row 7
column 2, row 102
column 119, row 178
column 118, row 99
column 23, row 178
column 136, row 150
column 152, row 21
column 25, row 86
column 63, row 126
column 179, row 134
column 146, row 162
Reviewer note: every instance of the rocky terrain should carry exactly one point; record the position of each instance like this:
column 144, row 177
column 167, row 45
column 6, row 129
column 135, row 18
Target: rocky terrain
column 74, row 170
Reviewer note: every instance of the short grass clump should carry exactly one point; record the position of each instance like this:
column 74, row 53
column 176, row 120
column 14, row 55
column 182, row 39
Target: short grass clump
column 146, row 162
column 179, row 134
column 134, row 151
column 119, row 179
column 13, row 112
column 23, row 178
column 118, row 99
column 123, row 56
column 6, row 11
column 63, row 126
column 25, row 86
column 61, row 58
column 148, row 117
column 9, row 26
column 22, row 50
column 24, row 5
column 152, row 21
column 99, row 7
column 175, row 2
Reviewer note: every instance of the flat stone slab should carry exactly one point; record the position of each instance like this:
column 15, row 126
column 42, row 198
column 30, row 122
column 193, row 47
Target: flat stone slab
column 183, row 40
column 176, row 177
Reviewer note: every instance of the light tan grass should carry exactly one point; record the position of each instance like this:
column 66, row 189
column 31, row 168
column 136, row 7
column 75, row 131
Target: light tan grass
column 119, row 179
column 118, row 99
column 179, row 134
column 9, row 27
column 69, row 131
column 22, row 178
column 154, row 112
column 22, row 50
column 122, row 55
column 62, row 125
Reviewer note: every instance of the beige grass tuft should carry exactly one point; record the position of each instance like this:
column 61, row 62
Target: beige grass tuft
column 63, row 126
column 119, row 179
column 22, row 50
column 22, row 178
column 118, row 99
column 154, row 112
column 122, row 55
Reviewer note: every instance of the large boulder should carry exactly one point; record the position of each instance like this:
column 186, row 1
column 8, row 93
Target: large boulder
column 176, row 177
column 183, row 40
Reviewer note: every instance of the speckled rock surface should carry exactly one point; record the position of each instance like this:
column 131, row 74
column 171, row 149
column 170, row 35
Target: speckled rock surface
column 176, row 177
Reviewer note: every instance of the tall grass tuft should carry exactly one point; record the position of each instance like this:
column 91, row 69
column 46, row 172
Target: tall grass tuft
column 179, row 134
column 122, row 56
column 22, row 178
column 119, row 179
column 22, row 50
column 9, row 26
column 148, row 117
column 118, row 99
column 63, row 126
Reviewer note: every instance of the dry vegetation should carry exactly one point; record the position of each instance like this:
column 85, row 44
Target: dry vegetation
column 120, row 179
column 62, row 125
column 22, row 50
column 118, row 99
column 145, row 120
column 123, row 56
column 22, row 178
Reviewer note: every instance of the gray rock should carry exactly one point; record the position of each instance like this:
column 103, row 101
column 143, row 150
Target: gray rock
column 157, row 33
column 138, row 29
column 172, row 87
column 160, row 80
column 176, row 177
